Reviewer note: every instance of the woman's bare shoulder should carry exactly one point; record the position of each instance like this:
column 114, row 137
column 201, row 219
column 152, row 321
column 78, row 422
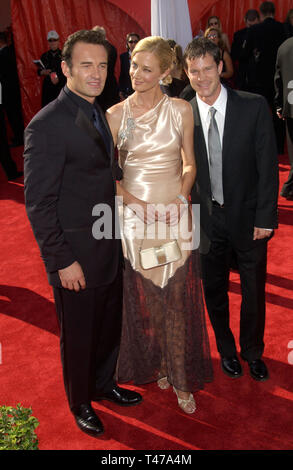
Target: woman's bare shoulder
column 115, row 112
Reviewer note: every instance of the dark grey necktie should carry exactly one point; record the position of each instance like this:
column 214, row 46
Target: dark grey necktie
column 215, row 155
column 100, row 126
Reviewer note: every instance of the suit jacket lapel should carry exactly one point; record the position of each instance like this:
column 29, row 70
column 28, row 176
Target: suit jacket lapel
column 231, row 117
column 84, row 123
column 201, row 155
column 198, row 128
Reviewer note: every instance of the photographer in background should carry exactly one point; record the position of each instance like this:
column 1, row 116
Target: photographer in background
column 54, row 79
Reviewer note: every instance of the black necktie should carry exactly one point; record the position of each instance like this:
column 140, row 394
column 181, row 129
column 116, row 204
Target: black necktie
column 100, row 126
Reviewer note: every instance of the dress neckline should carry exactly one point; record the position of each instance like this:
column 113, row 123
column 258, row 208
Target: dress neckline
column 147, row 112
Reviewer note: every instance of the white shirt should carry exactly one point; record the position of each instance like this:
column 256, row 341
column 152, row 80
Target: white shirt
column 204, row 111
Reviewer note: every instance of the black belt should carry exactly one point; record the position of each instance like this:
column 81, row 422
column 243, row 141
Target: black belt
column 215, row 203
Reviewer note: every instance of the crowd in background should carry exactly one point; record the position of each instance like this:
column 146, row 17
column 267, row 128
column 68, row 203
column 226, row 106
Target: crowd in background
column 248, row 64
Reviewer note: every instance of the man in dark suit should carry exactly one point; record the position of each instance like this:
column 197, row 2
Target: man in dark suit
column 69, row 171
column 244, row 66
column 263, row 41
column 237, row 189
column 125, row 87
column 110, row 93
column 284, row 103
column 53, row 78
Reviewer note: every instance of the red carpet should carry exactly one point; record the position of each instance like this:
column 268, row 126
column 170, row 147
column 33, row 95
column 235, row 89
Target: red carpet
column 236, row 415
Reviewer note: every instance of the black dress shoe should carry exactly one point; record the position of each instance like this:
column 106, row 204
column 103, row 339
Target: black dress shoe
column 231, row 366
column 258, row 370
column 87, row 420
column 120, row 396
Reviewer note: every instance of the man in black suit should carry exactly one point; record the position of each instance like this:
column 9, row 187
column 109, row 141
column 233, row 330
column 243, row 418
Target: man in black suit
column 237, row 189
column 53, row 78
column 284, row 103
column 125, row 87
column 244, row 66
column 69, row 172
column 263, row 41
column 110, row 93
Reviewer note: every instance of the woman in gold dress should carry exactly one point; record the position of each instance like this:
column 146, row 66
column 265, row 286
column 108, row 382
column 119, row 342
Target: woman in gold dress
column 164, row 335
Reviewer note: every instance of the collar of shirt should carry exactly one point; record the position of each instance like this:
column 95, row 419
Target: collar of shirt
column 220, row 105
column 85, row 105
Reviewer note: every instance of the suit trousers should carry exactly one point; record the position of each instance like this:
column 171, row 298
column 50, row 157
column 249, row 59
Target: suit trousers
column 216, row 266
column 90, row 330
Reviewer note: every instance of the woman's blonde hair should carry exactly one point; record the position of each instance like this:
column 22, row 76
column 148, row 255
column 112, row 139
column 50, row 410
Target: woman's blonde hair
column 212, row 29
column 161, row 49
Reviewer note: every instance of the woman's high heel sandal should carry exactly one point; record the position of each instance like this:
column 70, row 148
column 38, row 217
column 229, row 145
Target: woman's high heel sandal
column 163, row 383
column 187, row 405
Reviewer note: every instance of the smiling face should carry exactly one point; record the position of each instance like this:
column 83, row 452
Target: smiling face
column 204, row 75
column 145, row 71
column 87, row 75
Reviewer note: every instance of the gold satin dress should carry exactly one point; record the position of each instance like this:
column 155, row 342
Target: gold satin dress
column 164, row 331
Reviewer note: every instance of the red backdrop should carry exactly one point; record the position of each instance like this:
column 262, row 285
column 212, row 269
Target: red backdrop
column 32, row 19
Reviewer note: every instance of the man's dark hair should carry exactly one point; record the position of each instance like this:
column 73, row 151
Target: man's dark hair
column 129, row 35
column 88, row 36
column 267, row 9
column 132, row 34
column 199, row 47
column 251, row 15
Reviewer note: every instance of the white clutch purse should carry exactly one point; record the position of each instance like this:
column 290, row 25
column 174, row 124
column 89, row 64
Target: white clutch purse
column 160, row 255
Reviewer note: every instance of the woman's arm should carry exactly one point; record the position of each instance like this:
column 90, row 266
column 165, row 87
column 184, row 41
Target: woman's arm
column 226, row 42
column 114, row 116
column 188, row 162
column 145, row 211
column 187, row 151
